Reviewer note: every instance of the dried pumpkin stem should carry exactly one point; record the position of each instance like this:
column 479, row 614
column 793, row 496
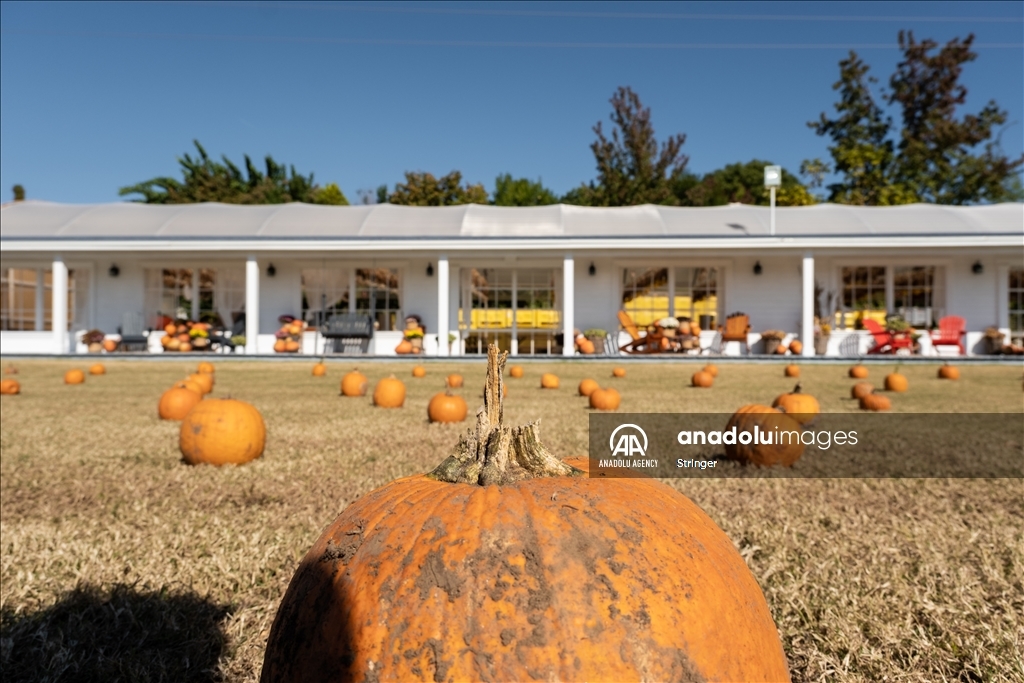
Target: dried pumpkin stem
column 495, row 453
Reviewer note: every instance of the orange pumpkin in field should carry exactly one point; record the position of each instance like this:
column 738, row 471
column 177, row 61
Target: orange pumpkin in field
column 527, row 510
column 354, row 384
column 796, row 347
column 792, row 371
column 203, row 380
column 548, row 381
column 858, row 372
column 205, row 367
column 860, row 390
column 419, row 371
column 176, row 402
column 949, row 372
column 389, row 393
column 619, row 372
column 894, row 381
column 801, row 407
column 222, row 431
column 875, row 402
column 97, row 369
column 515, row 371
column 711, row 369
column 454, row 381
column 702, row 379
column 770, row 424
column 10, row 387
column 587, row 387
column 74, row 377
column 192, row 385
column 605, row 399
column 447, row 407
column 319, row 370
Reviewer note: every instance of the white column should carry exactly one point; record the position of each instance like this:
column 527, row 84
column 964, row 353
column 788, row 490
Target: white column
column 252, row 304
column 568, row 306
column 195, row 295
column 352, row 290
column 442, row 305
column 40, row 299
column 59, row 305
column 807, row 328
column 672, row 292
column 514, row 345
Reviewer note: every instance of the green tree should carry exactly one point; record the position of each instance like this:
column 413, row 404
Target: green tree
column 743, row 184
column 632, row 168
column 423, row 189
column 332, row 195
column 509, row 191
column 19, row 193
column 206, row 180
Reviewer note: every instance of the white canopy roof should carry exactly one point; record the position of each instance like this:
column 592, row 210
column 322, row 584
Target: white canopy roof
column 32, row 220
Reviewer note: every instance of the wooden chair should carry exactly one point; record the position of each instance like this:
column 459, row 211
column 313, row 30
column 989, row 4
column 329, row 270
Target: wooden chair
column 886, row 342
column 951, row 329
column 736, row 329
column 647, row 343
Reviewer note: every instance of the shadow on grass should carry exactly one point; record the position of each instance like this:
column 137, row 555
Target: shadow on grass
column 115, row 635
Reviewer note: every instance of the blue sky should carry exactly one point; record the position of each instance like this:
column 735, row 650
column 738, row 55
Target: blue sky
column 94, row 96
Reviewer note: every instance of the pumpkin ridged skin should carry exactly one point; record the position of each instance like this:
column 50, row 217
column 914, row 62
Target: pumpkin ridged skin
column 876, row 402
column 803, row 408
column 389, row 393
column 354, row 384
column 445, row 407
column 605, row 399
column 949, row 372
column 205, row 367
column 861, row 389
column 767, row 419
column 74, row 377
column 222, row 432
column 422, row 580
column 896, row 382
column 711, row 369
column 97, row 369
column 10, row 387
column 858, row 372
column 455, row 381
column 319, row 370
column 588, row 386
column 792, row 371
column 702, row 379
column 177, row 402
column 203, row 380
column 548, row 381
column 515, row 371
column 419, row 371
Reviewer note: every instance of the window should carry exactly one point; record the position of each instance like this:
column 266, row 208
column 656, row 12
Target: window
column 375, row 291
column 506, row 305
column 377, row 296
column 696, row 295
column 18, row 289
column 913, row 289
column 864, row 293
column 1016, row 306
column 645, row 294
column 173, row 293
column 21, row 289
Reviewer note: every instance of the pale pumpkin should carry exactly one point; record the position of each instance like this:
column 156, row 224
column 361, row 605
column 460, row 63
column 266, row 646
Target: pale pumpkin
column 222, row 431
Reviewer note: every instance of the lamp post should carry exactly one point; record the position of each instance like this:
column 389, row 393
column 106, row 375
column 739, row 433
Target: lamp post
column 772, row 179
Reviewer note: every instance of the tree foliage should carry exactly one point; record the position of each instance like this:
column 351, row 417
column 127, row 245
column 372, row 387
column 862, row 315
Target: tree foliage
column 933, row 156
column 632, row 168
column 206, row 180
column 423, row 189
column 509, row 191
column 743, row 184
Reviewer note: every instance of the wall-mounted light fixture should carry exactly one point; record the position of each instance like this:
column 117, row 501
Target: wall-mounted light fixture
column 757, row 268
column 977, row 268
column 592, row 270
column 271, row 270
column 430, row 270
column 114, row 270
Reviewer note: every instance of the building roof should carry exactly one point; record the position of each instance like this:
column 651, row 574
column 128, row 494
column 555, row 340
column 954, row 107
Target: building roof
column 33, row 220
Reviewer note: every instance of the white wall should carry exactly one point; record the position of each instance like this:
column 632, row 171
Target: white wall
column 116, row 296
column 279, row 295
column 973, row 297
column 771, row 299
column 597, row 296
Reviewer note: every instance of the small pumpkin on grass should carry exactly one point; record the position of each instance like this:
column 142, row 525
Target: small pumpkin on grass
column 770, row 423
column 10, row 387
column 548, row 381
column 605, row 399
column 74, row 377
column 203, row 380
column 876, row 402
column 319, row 370
column 419, row 371
column 222, row 431
column 354, row 384
column 389, row 393
column 858, row 372
column 205, row 367
column 801, row 407
column 587, row 387
column 948, row 371
column 97, row 369
column 792, row 371
column 711, row 369
column 894, row 381
column 423, row 592
column 455, row 381
column 861, row 389
column 702, row 379
column 447, row 407
column 619, row 372
column 176, row 402
column 515, row 371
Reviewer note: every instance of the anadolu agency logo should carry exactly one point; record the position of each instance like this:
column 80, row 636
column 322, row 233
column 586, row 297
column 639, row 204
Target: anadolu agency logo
column 628, row 445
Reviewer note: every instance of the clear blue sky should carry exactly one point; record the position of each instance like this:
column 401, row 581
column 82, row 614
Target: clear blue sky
column 94, row 96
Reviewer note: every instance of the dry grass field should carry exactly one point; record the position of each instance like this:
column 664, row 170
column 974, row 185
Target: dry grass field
column 118, row 562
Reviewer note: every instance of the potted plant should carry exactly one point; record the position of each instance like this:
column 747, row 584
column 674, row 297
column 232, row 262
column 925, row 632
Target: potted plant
column 822, row 332
column 993, row 340
column 772, row 339
column 415, row 338
column 596, row 336
column 94, row 340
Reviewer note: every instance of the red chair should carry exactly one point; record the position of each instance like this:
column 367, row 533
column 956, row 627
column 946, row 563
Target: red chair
column 886, row 342
column 951, row 329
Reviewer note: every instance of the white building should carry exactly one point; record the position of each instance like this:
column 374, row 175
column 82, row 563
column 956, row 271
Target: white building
column 70, row 268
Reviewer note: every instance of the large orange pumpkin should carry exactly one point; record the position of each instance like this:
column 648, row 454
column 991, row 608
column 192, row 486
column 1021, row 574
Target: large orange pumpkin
column 711, row 369
column 588, row 386
column 222, row 431
column 454, row 381
column 419, row 371
column 508, row 564
column 205, row 367
column 447, row 407
column 861, row 389
column 354, row 384
column 515, row 371
column 792, row 371
column 949, row 372
column 779, row 428
column 618, row 372
column 203, row 380
column 801, row 407
column 702, row 379
column 389, row 393
column 548, row 381
column 176, row 402
column 894, row 381
column 319, row 370
column 876, row 402
column 858, row 372
column 74, row 377
column 97, row 369
column 605, row 399
column 10, row 386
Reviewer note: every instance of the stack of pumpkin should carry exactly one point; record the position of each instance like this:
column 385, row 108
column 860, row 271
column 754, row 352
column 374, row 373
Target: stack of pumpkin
column 186, row 335
column 289, row 337
column 180, row 399
column 600, row 399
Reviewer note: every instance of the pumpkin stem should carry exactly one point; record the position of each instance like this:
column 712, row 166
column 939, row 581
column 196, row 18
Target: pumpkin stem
column 495, row 453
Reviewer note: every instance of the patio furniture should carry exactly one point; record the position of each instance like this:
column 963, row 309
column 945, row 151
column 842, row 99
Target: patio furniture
column 647, row 343
column 133, row 333
column 715, row 347
column 348, row 333
column 736, row 328
column 951, row 329
column 886, row 342
column 221, row 342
